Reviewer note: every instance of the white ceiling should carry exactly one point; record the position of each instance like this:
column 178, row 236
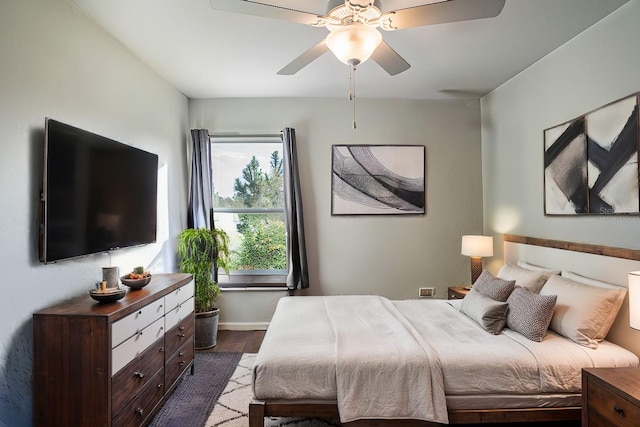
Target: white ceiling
column 206, row 53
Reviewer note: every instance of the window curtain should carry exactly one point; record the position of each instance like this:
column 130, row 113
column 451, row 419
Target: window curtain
column 298, row 272
column 200, row 210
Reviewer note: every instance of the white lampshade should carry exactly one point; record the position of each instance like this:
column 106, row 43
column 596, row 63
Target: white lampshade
column 634, row 299
column 481, row 246
column 353, row 43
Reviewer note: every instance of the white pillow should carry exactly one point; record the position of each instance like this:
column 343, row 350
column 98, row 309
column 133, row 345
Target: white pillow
column 583, row 313
column 533, row 267
column 587, row 280
column 530, row 279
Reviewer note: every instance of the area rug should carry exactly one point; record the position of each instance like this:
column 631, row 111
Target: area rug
column 195, row 396
column 232, row 408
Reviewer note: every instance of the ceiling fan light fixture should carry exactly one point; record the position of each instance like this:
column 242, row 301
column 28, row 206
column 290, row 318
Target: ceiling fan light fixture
column 353, row 43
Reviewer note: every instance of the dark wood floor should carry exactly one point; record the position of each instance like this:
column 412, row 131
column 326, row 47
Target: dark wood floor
column 239, row 341
column 249, row 342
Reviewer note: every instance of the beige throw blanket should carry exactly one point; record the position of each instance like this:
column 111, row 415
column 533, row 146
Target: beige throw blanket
column 384, row 369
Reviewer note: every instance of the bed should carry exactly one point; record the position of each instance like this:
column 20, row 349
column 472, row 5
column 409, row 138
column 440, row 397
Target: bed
column 437, row 361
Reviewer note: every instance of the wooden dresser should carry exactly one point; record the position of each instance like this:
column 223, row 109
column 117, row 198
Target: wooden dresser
column 112, row 364
column 611, row 397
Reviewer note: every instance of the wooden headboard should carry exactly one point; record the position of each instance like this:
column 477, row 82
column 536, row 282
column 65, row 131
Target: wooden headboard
column 606, row 263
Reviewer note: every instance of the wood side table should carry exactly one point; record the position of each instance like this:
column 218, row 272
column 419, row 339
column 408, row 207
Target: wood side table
column 610, row 397
column 457, row 292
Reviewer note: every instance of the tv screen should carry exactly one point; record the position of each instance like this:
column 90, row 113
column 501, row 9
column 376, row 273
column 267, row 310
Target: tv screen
column 98, row 194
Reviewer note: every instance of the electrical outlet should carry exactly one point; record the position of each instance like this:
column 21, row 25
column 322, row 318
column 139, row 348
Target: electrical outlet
column 426, row 292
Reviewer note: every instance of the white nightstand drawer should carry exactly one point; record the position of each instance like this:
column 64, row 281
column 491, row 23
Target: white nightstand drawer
column 178, row 296
column 135, row 322
column 131, row 348
column 176, row 315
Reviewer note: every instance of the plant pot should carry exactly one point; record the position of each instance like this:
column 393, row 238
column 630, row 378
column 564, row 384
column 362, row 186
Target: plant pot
column 206, row 329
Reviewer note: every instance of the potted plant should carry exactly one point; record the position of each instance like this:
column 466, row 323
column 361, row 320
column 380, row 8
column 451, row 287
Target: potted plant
column 199, row 249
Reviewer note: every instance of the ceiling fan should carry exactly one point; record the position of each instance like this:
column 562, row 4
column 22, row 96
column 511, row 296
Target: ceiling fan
column 353, row 24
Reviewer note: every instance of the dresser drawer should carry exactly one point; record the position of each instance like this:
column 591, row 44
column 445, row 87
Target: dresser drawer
column 135, row 322
column 138, row 409
column 178, row 362
column 597, row 420
column 178, row 314
column 134, row 346
column 178, row 296
column 133, row 377
column 179, row 334
column 615, row 408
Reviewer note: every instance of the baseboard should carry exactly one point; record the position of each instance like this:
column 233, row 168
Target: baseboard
column 240, row 326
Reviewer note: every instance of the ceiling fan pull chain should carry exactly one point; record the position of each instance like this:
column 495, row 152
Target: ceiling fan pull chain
column 350, row 95
column 352, row 91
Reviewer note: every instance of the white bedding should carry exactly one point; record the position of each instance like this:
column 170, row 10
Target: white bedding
column 298, row 356
column 383, row 369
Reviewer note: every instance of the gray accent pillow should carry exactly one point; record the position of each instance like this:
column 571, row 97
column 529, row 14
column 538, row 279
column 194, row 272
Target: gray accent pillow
column 490, row 286
column 529, row 313
column 486, row 312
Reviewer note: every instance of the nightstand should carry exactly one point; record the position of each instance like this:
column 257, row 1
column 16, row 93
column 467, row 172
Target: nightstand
column 457, row 292
column 610, row 397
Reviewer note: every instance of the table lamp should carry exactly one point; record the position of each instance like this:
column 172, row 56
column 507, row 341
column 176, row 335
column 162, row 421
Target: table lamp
column 477, row 247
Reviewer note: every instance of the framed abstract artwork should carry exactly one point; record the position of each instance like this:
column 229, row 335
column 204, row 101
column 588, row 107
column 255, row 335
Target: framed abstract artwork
column 377, row 179
column 591, row 163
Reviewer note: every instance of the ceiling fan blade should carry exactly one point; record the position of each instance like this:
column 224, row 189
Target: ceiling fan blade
column 266, row 10
column 305, row 59
column 446, row 11
column 389, row 59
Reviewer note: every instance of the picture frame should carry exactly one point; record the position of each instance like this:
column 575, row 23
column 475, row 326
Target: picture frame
column 591, row 162
column 378, row 179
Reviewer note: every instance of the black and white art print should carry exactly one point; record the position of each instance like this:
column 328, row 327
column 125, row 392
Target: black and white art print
column 612, row 134
column 377, row 179
column 565, row 169
column 591, row 163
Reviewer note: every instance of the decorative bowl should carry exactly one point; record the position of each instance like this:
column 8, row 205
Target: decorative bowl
column 135, row 283
column 108, row 295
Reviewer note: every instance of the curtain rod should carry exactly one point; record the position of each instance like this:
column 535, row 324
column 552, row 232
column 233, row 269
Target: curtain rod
column 245, row 135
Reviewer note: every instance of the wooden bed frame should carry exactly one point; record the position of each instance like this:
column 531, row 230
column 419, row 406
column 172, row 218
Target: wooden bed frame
column 258, row 409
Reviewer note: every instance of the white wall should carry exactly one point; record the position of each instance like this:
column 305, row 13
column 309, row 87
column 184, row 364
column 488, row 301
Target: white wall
column 58, row 63
column 386, row 255
column 597, row 67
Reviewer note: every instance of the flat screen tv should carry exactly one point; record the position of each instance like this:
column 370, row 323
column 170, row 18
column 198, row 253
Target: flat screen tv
column 98, row 194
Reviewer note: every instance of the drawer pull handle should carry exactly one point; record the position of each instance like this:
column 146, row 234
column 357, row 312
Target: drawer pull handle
column 140, row 312
column 181, row 328
column 618, row 410
column 161, row 349
column 160, row 385
column 139, row 411
column 181, row 335
column 182, row 363
column 139, row 374
column 181, row 354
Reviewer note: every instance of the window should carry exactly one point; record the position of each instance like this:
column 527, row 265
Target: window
column 248, row 203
